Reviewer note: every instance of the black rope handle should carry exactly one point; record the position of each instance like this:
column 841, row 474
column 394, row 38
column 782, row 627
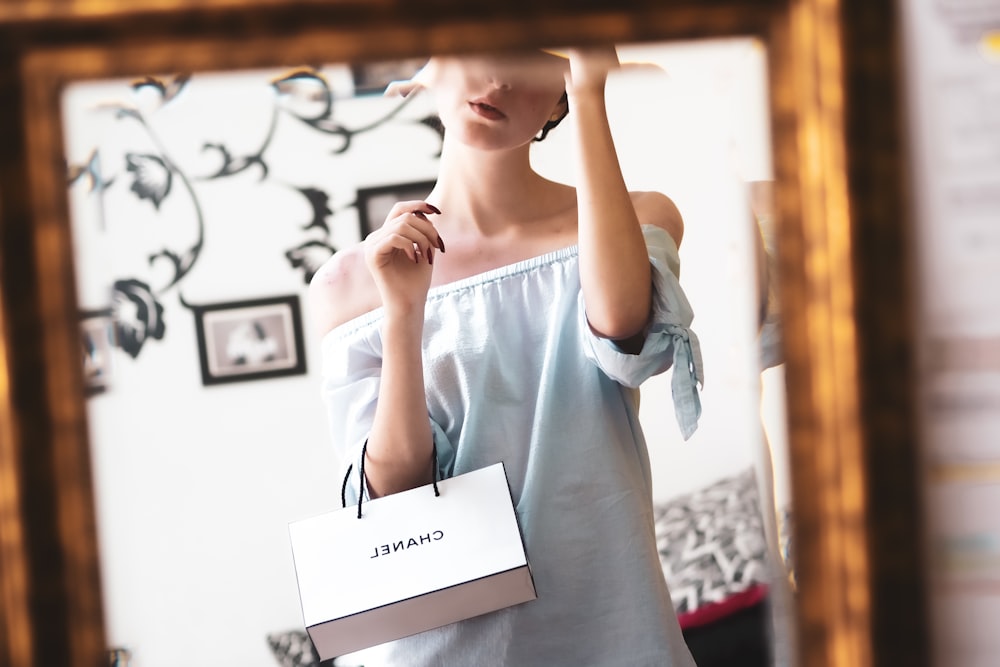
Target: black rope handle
column 361, row 474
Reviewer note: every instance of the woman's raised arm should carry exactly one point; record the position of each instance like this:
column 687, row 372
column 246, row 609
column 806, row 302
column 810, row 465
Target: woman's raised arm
column 614, row 265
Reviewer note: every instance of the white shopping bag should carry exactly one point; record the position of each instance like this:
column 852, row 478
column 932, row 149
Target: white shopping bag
column 413, row 561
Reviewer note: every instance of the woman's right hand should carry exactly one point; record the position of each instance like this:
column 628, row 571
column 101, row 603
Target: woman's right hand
column 400, row 255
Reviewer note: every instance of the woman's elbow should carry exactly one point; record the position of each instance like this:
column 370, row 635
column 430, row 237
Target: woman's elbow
column 620, row 325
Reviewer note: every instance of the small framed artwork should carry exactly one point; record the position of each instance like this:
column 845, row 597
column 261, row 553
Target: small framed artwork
column 250, row 340
column 371, row 78
column 97, row 339
column 375, row 203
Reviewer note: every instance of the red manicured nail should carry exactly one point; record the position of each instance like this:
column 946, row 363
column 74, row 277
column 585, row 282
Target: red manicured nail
column 440, row 243
column 433, row 208
column 430, row 256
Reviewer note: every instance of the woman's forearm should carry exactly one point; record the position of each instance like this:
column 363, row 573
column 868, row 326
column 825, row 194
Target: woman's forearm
column 399, row 444
column 614, row 264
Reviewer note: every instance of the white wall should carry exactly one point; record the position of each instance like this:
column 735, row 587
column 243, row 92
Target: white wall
column 195, row 485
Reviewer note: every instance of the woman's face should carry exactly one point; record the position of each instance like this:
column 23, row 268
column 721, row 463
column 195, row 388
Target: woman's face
column 496, row 102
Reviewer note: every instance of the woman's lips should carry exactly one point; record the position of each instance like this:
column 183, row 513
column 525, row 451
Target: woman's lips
column 486, row 110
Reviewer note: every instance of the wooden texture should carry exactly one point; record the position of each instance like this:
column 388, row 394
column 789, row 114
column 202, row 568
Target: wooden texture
column 877, row 170
column 15, row 621
column 839, row 198
column 826, row 457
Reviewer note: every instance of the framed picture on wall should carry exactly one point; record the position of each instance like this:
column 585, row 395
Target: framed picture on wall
column 97, row 339
column 376, row 202
column 250, row 340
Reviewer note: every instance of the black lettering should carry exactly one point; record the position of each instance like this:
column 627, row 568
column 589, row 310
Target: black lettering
column 393, row 547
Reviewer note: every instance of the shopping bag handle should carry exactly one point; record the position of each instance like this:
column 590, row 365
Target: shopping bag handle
column 361, row 474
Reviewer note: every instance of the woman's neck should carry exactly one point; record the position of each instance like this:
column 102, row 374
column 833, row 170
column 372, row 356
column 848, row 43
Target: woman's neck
column 493, row 190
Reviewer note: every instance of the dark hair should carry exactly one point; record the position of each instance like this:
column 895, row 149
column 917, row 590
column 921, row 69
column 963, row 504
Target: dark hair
column 551, row 124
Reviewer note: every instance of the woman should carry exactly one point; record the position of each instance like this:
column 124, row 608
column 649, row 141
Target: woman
column 509, row 318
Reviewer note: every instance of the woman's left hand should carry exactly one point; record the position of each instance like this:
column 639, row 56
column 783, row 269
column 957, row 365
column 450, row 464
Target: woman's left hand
column 419, row 81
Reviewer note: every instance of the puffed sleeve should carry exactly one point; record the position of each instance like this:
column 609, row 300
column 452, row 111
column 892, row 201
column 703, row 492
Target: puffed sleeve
column 352, row 373
column 669, row 339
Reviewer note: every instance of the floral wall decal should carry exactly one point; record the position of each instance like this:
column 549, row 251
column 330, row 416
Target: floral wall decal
column 152, row 177
column 320, row 202
column 138, row 316
column 309, row 257
column 91, row 172
column 168, row 88
column 169, row 162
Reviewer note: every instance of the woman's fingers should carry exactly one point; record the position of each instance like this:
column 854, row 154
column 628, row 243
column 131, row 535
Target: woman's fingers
column 407, row 229
column 414, row 213
column 402, row 88
column 590, row 67
column 413, row 206
column 390, row 244
column 407, row 87
column 403, row 237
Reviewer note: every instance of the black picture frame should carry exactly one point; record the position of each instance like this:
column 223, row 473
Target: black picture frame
column 255, row 339
column 374, row 203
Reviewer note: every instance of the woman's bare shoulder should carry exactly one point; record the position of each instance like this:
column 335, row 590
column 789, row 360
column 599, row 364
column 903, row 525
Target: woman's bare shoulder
column 656, row 208
column 341, row 290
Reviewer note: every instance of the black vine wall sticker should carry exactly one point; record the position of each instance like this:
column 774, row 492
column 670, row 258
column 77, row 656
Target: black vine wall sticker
column 152, row 175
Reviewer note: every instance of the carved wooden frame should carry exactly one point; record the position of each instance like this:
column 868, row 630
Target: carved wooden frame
column 845, row 282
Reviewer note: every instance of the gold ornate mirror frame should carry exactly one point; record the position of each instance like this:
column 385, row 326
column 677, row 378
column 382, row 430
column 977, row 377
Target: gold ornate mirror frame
column 839, row 169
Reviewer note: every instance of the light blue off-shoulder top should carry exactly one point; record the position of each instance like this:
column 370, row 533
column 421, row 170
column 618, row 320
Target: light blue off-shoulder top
column 513, row 373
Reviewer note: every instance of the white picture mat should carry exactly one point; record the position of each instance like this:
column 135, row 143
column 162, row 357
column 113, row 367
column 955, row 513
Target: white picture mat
column 277, row 321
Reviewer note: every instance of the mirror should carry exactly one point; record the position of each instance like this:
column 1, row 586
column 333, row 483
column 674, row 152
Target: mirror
column 852, row 555
column 202, row 204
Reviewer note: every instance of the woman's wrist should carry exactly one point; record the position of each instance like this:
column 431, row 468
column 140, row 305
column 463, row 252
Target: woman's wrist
column 586, row 93
column 404, row 319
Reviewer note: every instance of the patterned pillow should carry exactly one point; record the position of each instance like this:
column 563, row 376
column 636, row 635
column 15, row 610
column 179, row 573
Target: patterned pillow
column 712, row 545
column 295, row 649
